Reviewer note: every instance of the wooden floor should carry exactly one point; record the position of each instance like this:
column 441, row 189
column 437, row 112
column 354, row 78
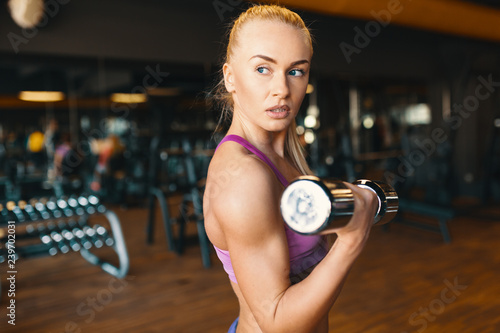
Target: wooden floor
column 405, row 281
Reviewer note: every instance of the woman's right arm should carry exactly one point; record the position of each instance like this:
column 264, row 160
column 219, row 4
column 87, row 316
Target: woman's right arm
column 248, row 212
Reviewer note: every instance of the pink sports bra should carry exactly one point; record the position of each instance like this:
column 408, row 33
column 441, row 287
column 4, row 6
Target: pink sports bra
column 304, row 251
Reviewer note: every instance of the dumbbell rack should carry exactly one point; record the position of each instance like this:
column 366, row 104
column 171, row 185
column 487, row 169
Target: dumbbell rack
column 48, row 227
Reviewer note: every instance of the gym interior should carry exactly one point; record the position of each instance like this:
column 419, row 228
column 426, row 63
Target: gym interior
column 107, row 131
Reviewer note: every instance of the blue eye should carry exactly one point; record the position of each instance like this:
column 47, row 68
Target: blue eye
column 296, row 72
column 262, row 70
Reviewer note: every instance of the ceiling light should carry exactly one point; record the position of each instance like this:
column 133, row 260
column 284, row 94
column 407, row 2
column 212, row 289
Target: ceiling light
column 41, row 96
column 300, row 130
column 310, row 121
column 163, row 91
column 497, row 122
column 309, row 137
column 26, row 13
column 368, row 122
column 313, row 110
column 128, row 98
column 310, row 88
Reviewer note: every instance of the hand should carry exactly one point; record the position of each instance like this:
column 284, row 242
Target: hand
column 355, row 233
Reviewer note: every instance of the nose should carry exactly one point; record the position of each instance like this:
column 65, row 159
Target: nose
column 280, row 85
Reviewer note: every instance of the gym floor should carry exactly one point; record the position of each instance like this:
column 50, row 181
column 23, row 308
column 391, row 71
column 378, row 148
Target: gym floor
column 406, row 280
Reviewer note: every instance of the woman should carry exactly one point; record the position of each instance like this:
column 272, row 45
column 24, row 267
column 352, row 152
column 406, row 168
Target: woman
column 284, row 282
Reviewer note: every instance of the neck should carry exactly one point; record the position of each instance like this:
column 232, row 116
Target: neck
column 265, row 141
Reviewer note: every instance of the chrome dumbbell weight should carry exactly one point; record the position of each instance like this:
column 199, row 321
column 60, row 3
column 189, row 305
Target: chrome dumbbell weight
column 53, row 208
column 41, row 210
column 310, row 205
column 29, row 211
column 74, row 205
column 6, row 213
column 95, row 202
column 103, row 235
column 93, row 237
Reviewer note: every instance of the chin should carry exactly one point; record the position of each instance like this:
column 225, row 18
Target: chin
column 278, row 126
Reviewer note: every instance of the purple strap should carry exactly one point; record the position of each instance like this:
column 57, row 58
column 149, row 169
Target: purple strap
column 261, row 155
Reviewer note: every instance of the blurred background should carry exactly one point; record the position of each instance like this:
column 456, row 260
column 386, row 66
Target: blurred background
column 108, row 99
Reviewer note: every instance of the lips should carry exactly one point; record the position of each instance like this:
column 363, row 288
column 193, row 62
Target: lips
column 279, row 108
column 278, row 111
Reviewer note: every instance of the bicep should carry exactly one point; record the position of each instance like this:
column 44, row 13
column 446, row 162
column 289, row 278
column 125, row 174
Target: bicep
column 256, row 240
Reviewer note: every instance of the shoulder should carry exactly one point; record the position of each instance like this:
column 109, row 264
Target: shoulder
column 233, row 167
column 241, row 189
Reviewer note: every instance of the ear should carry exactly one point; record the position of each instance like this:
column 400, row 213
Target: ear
column 228, row 77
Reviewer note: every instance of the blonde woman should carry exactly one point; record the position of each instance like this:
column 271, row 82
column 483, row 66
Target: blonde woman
column 284, row 282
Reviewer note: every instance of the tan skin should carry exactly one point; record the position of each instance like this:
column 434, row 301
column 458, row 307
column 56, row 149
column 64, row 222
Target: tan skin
column 270, row 67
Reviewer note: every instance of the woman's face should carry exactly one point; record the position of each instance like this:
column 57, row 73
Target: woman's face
column 267, row 74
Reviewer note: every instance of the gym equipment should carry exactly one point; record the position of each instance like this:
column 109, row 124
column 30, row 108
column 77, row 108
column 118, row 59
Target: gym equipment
column 184, row 180
column 434, row 179
column 49, row 226
column 310, row 205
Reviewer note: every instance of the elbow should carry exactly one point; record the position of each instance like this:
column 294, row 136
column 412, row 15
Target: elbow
column 281, row 324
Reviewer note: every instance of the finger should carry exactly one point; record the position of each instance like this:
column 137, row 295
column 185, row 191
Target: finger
column 363, row 192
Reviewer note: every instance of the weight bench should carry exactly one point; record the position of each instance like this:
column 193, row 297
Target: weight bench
column 442, row 213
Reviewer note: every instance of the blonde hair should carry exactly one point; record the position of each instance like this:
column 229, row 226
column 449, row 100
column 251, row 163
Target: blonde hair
column 293, row 148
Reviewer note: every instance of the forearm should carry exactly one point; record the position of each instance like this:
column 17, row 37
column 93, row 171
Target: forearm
column 303, row 305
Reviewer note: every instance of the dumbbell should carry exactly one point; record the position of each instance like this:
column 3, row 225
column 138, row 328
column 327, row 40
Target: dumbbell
column 84, row 203
column 15, row 211
column 6, row 212
column 21, row 209
column 93, row 237
column 35, row 232
column 310, row 205
column 94, row 201
column 29, row 211
column 52, row 234
column 52, row 206
column 81, row 238
column 103, row 234
column 70, row 238
column 59, row 241
column 40, row 209
column 64, row 207
column 49, row 244
column 73, row 204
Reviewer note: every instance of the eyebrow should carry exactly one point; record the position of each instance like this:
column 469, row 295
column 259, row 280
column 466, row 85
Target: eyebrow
column 299, row 62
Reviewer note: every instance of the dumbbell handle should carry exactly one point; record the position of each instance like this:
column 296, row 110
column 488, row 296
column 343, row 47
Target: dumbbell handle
column 310, row 205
